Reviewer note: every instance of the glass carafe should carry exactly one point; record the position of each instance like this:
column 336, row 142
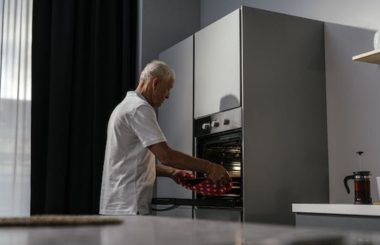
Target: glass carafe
column 362, row 186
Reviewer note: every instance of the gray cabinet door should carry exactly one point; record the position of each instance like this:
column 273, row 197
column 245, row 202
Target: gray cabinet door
column 217, row 66
column 175, row 117
column 284, row 121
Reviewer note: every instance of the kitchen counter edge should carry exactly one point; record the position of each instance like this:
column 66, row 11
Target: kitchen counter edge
column 339, row 209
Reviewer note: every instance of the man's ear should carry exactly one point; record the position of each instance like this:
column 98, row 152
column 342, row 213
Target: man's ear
column 154, row 83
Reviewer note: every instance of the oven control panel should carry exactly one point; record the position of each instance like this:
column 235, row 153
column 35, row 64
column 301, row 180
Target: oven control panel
column 215, row 124
column 218, row 122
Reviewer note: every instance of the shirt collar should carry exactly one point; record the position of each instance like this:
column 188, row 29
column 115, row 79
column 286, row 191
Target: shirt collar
column 134, row 93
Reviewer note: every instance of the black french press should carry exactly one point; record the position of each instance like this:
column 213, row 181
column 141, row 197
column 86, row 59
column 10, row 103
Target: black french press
column 362, row 185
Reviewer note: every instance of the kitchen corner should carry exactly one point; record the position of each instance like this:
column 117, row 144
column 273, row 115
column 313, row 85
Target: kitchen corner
column 361, row 215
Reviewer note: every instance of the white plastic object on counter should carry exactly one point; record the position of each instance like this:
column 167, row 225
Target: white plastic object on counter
column 376, row 40
column 378, row 184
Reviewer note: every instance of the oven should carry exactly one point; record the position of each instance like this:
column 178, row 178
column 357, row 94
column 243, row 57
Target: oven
column 217, row 138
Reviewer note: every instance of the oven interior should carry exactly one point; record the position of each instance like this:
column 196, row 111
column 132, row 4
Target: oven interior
column 224, row 149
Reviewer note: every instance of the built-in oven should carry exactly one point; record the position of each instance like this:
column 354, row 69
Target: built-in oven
column 217, row 138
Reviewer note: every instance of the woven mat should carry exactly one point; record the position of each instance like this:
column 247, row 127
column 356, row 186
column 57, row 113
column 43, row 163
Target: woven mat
column 59, row 220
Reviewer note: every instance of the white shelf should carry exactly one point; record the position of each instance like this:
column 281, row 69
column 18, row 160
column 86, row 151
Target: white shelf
column 370, row 57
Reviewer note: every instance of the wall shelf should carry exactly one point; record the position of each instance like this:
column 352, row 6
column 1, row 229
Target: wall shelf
column 370, row 57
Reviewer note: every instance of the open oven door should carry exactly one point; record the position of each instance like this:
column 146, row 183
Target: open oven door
column 226, row 210
column 222, row 214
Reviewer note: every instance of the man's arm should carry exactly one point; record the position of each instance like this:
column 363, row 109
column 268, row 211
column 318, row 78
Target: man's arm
column 179, row 160
column 170, row 172
column 164, row 171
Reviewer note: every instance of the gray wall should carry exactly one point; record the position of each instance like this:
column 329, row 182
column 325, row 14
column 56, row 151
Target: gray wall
column 353, row 111
column 164, row 23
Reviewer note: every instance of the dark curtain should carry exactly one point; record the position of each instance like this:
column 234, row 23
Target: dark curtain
column 83, row 63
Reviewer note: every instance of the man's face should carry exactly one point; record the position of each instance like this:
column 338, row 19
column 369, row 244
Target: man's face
column 161, row 91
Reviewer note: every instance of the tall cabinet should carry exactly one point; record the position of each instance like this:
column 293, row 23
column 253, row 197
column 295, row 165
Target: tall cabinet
column 272, row 66
column 175, row 117
column 284, row 122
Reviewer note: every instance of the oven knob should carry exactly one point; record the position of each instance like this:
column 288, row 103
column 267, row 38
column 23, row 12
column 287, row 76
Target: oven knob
column 206, row 126
column 214, row 124
column 226, row 121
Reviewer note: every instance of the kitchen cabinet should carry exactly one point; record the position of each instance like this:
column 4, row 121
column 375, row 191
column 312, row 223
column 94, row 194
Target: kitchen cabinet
column 370, row 57
column 338, row 216
column 175, row 117
column 283, row 99
column 271, row 67
column 217, row 84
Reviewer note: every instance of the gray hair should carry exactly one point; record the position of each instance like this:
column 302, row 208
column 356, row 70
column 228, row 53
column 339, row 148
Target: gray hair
column 158, row 69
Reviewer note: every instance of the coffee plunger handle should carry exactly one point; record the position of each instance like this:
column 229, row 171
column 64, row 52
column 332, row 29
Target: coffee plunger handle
column 345, row 182
column 360, row 159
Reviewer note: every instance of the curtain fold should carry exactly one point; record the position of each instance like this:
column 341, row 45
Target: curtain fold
column 83, row 63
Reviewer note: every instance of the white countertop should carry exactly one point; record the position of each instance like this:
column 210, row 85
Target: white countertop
column 153, row 230
column 340, row 209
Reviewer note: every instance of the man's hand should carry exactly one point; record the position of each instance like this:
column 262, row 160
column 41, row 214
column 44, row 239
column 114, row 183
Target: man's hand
column 218, row 174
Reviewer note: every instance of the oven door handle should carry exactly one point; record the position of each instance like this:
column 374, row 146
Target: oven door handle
column 219, row 207
column 197, row 202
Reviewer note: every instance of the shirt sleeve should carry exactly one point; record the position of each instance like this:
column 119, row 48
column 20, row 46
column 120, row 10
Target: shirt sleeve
column 144, row 124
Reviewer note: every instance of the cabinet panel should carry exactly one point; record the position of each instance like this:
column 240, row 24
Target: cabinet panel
column 217, row 66
column 175, row 116
column 284, row 122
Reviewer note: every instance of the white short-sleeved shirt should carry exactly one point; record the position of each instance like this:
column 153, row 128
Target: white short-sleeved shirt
column 129, row 168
